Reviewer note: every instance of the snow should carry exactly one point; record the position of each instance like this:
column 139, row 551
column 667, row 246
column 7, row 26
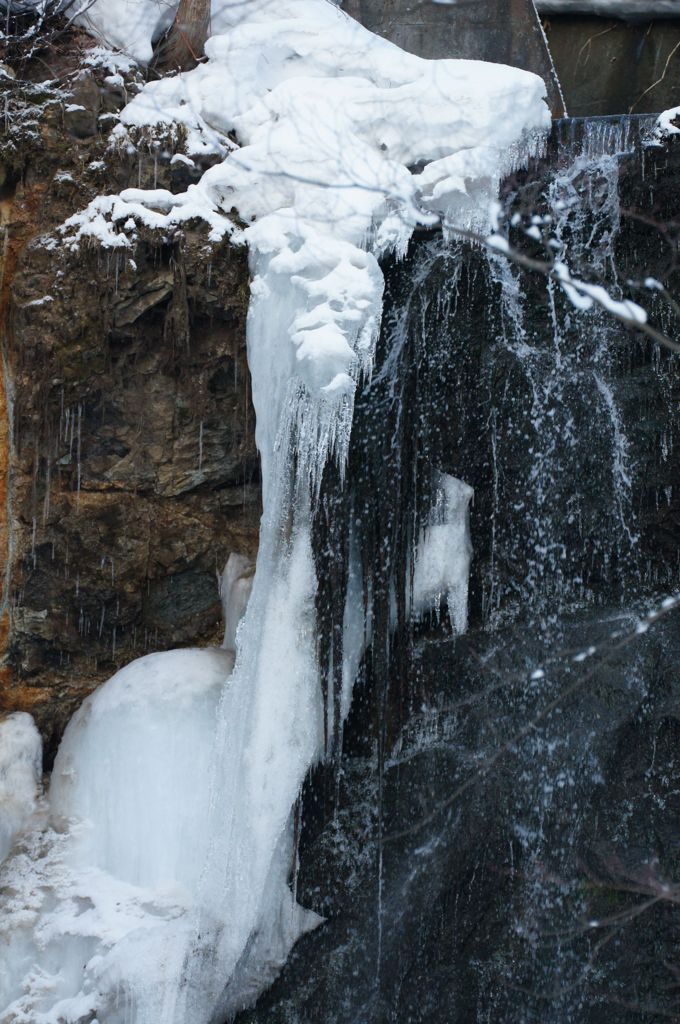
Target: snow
column 103, row 57
column 665, row 123
column 104, row 897
column 584, row 295
column 92, row 895
column 347, row 143
column 128, row 25
column 184, row 785
column 20, row 776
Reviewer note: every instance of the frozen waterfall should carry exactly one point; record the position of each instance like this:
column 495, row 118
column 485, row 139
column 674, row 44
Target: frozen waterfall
column 164, row 870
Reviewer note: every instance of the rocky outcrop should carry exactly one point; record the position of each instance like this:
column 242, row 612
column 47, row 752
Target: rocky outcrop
column 127, row 459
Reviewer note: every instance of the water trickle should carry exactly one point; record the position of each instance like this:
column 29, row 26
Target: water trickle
column 570, row 419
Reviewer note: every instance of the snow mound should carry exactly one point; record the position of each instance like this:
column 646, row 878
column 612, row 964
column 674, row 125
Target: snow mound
column 125, row 767
column 666, row 124
column 131, row 26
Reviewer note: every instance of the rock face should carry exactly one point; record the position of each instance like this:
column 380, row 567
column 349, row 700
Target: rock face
column 477, row 912
column 127, row 459
column 498, row 842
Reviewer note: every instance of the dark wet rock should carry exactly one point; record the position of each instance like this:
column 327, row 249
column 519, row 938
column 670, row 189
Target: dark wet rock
column 529, row 769
column 454, row 912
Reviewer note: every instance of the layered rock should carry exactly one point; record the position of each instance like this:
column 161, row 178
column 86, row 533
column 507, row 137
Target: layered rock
column 129, row 468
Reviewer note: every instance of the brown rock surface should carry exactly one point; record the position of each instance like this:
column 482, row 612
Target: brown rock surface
column 128, row 468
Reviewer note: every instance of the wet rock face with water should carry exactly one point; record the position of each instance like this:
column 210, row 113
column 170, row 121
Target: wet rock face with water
column 529, row 771
column 130, row 456
column 479, row 910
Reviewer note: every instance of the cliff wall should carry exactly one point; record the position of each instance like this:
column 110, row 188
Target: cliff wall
column 128, row 468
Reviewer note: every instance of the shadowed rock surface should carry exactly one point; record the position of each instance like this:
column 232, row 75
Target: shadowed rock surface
column 479, row 911
column 608, row 66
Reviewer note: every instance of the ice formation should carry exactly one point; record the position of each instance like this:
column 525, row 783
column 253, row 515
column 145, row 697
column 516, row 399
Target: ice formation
column 89, row 897
column 236, row 583
column 346, row 144
column 20, row 771
column 100, row 899
column 443, row 554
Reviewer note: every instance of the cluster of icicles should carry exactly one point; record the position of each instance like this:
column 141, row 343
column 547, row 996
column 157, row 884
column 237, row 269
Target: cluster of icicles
column 152, row 884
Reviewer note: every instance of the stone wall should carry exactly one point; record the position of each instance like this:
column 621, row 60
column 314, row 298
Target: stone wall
column 609, row 66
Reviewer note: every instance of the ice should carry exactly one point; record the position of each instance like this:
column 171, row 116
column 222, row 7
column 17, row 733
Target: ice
column 101, row 901
column 107, row 771
column 236, row 583
column 185, row 785
column 443, row 554
column 100, row 898
column 20, row 776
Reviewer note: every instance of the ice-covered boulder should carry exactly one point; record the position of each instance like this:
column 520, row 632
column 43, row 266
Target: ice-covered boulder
column 134, row 766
